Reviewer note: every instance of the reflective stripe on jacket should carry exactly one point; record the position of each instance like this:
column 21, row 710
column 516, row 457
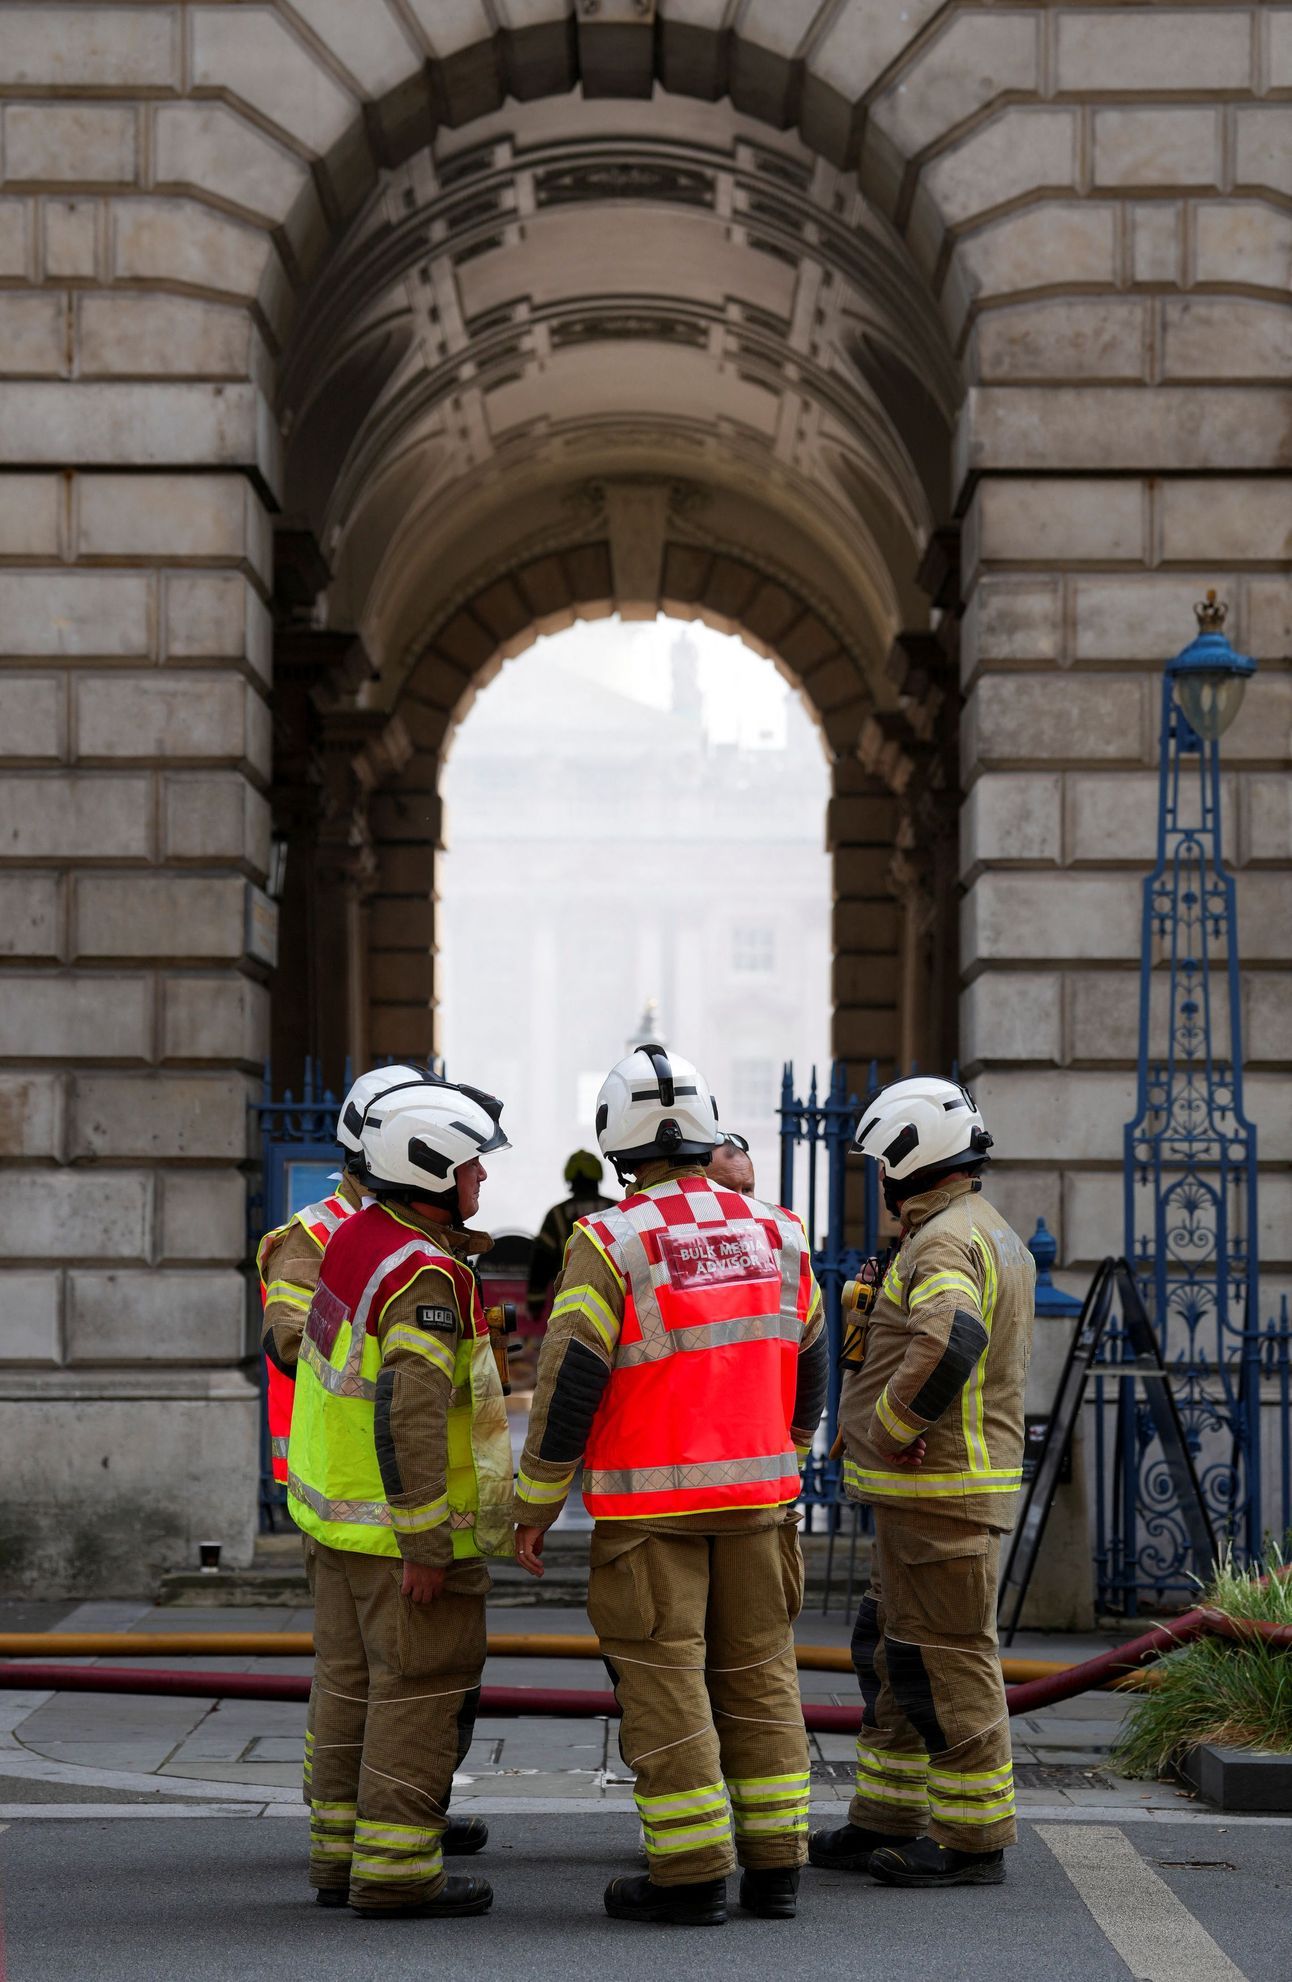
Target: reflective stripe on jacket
column 319, row 1221
column 334, row 1487
column 697, row 1411
column 945, row 1354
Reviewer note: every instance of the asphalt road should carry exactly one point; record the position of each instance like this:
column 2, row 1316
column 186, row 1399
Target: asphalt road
column 220, row 1900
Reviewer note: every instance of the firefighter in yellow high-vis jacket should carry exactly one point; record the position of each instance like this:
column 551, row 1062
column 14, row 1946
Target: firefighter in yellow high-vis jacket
column 931, row 1417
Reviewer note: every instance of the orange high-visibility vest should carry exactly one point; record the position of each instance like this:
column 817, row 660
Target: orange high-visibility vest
column 320, row 1221
column 697, row 1413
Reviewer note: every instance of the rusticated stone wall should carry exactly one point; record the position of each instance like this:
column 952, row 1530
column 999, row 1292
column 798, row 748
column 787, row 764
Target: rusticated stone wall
column 451, row 291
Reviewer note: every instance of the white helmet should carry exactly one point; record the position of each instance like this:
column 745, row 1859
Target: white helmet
column 418, row 1137
column 380, row 1080
column 655, row 1107
column 921, row 1124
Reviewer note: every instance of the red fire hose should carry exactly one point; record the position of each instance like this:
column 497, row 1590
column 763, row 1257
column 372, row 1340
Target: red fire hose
column 575, row 1704
column 504, row 1702
column 1142, row 1651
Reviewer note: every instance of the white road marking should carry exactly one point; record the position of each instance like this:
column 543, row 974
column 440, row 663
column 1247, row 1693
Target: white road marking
column 1154, row 1932
column 1112, row 1813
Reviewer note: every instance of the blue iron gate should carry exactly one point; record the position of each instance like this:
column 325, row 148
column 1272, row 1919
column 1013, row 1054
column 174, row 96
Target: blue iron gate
column 301, row 1157
column 816, row 1135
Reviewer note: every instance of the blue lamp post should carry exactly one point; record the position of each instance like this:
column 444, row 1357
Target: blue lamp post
column 1190, row 1152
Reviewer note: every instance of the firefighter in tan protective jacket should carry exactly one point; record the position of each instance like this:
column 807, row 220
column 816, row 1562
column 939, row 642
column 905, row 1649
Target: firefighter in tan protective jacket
column 931, row 1418
column 289, row 1260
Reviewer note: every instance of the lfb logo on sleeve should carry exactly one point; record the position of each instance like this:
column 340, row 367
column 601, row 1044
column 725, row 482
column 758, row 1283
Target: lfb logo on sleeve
column 327, row 1316
column 442, row 1320
column 718, row 1259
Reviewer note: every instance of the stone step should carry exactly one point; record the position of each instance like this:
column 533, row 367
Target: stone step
column 276, row 1578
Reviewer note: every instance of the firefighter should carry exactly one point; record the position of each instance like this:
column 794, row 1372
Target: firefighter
column 400, row 1475
column 288, row 1258
column 731, row 1165
column 932, row 1426
column 684, row 1363
column 583, row 1173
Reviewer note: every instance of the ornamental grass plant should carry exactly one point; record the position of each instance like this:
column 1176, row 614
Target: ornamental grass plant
column 1216, row 1689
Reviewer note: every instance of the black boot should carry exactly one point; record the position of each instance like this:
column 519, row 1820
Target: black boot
column 770, row 1891
column 702, row 1905
column 924, row 1863
column 849, row 1849
column 455, row 1898
column 332, row 1896
column 463, row 1836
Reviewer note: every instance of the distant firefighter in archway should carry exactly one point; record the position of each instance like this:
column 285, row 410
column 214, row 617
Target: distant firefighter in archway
column 583, row 1173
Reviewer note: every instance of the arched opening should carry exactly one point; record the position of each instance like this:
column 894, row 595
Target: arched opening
column 575, row 359
column 635, row 841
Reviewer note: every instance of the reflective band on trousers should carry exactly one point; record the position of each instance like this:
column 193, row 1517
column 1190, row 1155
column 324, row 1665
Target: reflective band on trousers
column 892, row 1776
column 678, row 1479
column 982, row 1796
column 770, row 1805
column 685, row 1820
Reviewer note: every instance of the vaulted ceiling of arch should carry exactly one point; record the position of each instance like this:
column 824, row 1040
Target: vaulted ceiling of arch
column 570, row 295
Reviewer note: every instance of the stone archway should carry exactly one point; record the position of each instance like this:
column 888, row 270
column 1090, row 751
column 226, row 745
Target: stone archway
column 887, row 938
column 511, row 408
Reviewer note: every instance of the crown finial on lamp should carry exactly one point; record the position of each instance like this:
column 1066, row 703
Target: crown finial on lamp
column 1211, row 613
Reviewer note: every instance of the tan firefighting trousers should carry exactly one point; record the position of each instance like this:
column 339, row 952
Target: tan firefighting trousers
column 934, row 1748
column 697, row 1633
column 391, row 1713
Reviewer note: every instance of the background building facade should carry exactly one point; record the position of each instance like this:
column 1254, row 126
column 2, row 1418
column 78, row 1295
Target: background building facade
column 347, row 345
column 605, row 855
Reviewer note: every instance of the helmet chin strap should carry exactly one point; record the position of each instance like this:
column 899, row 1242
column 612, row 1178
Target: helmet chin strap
column 413, row 1194
column 897, row 1190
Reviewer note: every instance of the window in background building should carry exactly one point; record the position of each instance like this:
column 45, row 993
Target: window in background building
column 753, row 949
column 753, row 1090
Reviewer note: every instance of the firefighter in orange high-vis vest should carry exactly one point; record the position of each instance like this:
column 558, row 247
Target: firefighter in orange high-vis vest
column 932, row 1423
column 685, row 1368
column 289, row 1257
column 400, row 1474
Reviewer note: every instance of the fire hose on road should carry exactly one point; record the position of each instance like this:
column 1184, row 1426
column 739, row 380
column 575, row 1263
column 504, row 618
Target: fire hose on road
column 300, row 1645
column 1115, row 1666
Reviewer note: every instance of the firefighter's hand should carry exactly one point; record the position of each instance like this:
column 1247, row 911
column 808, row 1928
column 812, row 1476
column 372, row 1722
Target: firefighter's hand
column 529, row 1549
column 420, row 1584
column 911, row 1455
